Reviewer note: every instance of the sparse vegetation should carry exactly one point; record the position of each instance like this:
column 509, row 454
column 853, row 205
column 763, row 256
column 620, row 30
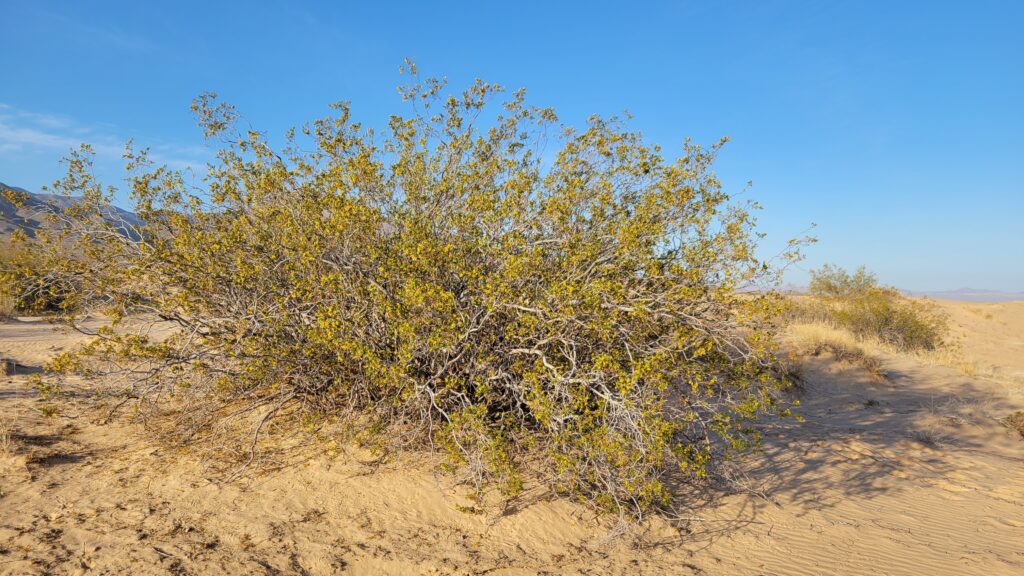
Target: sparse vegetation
column 858, row 303
column 6, row 437
column 981, row 312
column 927, row 437
column 1015, row 421
column 581, row 316
column 819, row 338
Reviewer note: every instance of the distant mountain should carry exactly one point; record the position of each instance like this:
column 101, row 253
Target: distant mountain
column 961, row 294
column 31, row 217
column 970, row 295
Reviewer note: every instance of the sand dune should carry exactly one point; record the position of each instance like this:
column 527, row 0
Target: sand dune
column 991, row 336
column 911, row 475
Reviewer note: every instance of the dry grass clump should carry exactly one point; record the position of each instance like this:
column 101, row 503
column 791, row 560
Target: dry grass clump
column 6, row 437
column 952, row 355
column 1015, row 421
column 981, row 312
column 814, row 339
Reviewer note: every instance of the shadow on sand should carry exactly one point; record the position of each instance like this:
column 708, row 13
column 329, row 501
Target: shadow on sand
column 858, row 438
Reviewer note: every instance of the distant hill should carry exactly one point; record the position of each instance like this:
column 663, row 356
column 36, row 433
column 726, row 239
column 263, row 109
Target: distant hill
column 971, row 295
column 960, row 295
column 31, row 217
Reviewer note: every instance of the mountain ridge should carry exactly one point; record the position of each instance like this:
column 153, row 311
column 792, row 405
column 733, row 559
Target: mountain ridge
column 966, row 294
column 30, row 216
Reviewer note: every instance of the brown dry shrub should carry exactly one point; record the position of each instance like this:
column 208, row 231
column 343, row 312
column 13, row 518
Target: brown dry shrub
column 1015, row 421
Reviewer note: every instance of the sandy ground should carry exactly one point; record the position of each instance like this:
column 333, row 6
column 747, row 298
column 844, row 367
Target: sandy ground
column 913, row 475
column 991, row 335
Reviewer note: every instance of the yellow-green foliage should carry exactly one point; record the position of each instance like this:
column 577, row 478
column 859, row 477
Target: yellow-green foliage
column 7, row 309
column 856, row 302
column 509, row 291
column 6, row 293
column 7, row 290
column 27, row 284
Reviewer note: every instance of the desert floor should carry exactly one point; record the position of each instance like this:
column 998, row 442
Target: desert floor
column 913, row 474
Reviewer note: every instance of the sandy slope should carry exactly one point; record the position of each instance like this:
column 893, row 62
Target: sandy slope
column 909, row 476
column 992, row 335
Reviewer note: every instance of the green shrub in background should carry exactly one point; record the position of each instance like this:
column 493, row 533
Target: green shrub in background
column 858, row 303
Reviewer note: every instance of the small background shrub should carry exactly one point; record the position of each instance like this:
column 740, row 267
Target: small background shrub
column 6, row 437
column 858, row 303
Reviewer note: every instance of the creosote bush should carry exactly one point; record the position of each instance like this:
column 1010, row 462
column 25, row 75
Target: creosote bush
column 8, row 300
column 524, row 298
column 858, row 303
column 7, row 307
column 32, row 286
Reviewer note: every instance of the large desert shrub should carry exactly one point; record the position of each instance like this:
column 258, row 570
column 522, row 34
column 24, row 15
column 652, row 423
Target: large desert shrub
column 523, row 297
column 858, row 303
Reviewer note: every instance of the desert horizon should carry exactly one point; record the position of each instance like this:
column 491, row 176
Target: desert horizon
column 680, row 287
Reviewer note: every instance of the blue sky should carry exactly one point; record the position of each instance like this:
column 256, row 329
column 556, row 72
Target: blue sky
column 895, row 126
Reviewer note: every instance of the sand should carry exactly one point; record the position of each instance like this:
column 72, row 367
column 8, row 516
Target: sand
column 911, row 475
column 991, row 336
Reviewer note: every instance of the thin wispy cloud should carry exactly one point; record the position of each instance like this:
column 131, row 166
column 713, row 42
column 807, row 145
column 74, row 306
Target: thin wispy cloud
column 94, row 32
column 28, row 132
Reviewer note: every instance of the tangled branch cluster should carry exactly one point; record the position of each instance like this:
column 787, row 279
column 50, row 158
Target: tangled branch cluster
column 525, row 298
